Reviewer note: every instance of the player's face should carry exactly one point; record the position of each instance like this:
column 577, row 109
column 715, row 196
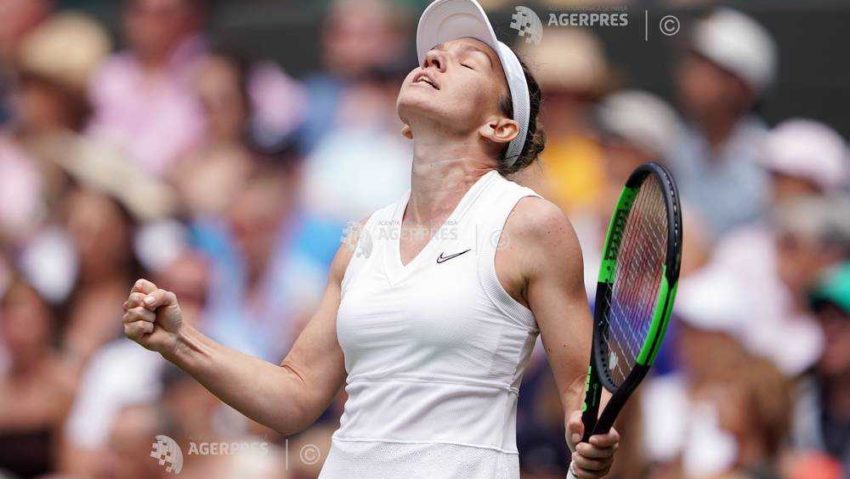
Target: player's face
column 458, row 86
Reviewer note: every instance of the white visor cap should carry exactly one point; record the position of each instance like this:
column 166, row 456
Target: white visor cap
column 447, row 20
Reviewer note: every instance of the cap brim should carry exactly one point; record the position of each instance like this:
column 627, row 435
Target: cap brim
column 447, row 20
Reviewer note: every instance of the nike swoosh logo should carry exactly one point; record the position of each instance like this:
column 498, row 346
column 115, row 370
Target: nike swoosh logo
column 442, row 258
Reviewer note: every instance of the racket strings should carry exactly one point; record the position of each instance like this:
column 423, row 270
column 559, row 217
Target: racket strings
column 637, row 279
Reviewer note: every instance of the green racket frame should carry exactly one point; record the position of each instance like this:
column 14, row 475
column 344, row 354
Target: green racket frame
column 598, row 375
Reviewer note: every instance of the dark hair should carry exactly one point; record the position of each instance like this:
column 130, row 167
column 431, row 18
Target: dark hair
column 535, row 139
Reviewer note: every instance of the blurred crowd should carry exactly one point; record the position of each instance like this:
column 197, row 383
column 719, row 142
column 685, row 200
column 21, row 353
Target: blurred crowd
column 160, row 153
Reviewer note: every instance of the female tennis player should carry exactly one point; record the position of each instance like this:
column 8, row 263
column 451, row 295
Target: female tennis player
column 429, row 333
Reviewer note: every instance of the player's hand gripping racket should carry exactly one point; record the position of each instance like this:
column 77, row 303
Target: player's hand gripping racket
column 634, row 295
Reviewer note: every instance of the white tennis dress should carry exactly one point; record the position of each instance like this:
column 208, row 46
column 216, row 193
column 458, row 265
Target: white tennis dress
column 434, row 350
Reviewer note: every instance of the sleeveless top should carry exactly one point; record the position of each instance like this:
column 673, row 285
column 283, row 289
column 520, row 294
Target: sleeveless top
column 434, row 350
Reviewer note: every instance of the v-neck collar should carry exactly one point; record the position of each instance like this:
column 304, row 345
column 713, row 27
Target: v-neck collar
column 392, row 260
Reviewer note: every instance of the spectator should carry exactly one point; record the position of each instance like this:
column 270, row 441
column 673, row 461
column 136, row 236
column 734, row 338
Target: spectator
column 803, row 158
column 53, row 63
column 255, row 304
column 247, row 106
column 573, row 73
column 18, row 17
column 21, row 200
column 823, row 411
column 37, row 388
column 635, row 127
column 753, row 406
column 127, row 453
column 142, row 97
column 195, row 414
column 365, row 162
column 100, row 229
column 731, row 61
column 106, row 387
column 210, row 177
column 686, row 435
column 359, row 37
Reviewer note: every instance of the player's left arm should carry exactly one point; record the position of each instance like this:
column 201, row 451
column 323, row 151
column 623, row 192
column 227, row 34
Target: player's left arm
column 548, row 275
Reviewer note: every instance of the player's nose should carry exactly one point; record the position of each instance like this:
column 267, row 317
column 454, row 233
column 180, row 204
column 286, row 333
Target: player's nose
column 435, row 58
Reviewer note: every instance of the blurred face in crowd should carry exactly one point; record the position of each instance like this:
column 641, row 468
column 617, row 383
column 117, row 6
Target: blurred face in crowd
column 192, row 408
column 459, row 88
column 257, row 216
column 702, row 353
column 101, row 232
column 41, row 105
column 221, row 92
column 621, row 158
column 835, row 360
column 787, row 187
column 709, row 94
column 25, row 323
column 801, row 260
column 127, row 455
column 360, row 36
column 754, row 404
column 154, row 28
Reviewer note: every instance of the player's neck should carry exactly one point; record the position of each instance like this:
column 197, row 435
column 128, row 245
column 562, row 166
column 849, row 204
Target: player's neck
column 443, row 171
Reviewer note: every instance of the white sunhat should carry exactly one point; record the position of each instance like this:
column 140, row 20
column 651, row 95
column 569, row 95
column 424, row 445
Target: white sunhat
column 739, row 44
column 807, row 149
column 641, row 118
column 447, row 20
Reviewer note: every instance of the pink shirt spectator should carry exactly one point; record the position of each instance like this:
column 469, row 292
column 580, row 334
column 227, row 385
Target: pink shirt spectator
column 21, row 204
column 154, row 116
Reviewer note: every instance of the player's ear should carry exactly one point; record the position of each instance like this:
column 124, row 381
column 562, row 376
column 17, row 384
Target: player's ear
column 499, row 129
column 407, row 132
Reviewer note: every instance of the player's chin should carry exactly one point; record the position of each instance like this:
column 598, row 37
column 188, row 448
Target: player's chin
column 417, row 101
column 417, row 93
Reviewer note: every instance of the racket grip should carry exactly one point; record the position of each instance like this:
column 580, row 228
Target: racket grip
column 570, row 474
column 591, row 408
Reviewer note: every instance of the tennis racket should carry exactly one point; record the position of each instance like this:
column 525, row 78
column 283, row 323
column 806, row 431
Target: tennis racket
column 634, row 294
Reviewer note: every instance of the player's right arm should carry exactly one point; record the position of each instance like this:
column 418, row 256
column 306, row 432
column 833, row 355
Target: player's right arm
column 288, row 397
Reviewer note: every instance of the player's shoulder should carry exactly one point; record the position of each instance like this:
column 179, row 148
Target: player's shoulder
column 538, row 216
column 543, row 228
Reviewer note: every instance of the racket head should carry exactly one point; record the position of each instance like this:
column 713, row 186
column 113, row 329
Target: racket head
column 637, row 279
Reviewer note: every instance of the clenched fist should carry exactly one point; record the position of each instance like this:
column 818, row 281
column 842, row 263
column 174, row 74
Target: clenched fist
column 152, row 317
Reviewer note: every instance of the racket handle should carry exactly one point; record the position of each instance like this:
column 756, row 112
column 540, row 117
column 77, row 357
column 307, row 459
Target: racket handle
column 570, row 474
column 591, row 407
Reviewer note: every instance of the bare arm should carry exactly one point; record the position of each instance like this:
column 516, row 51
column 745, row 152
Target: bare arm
column 287, row 398
column 551, row 283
